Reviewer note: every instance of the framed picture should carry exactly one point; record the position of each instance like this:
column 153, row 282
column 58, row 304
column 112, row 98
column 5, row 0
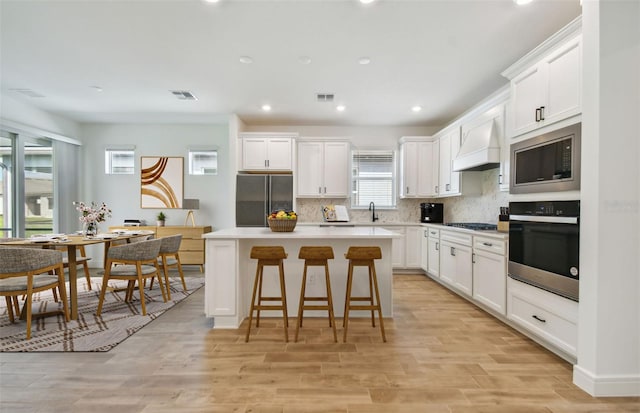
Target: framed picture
column 161, row 181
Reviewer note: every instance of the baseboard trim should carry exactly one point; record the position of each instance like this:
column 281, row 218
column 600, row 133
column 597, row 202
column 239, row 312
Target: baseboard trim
column 606, row 386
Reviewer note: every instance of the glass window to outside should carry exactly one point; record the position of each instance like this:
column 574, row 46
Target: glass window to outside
column 203, row 162
column 119, row 162
column 373, row 179
column 6, row 187
column 38, row 187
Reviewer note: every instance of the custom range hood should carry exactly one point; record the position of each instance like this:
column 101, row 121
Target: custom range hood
column 480, row 149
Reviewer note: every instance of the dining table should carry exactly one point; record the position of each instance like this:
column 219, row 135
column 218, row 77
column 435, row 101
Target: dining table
column 72, row 242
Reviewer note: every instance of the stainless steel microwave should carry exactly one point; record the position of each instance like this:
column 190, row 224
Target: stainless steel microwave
column 547, row 163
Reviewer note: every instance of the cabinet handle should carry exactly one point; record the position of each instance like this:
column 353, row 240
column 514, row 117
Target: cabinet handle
column 435, row 189
column 325, row 189
column 319, row 189
column 453, row 252
column 500, row 179
column 488, row 244
column 538, row 114
column 541, row 112
column 407, row 190
column 433, row 233
column 448, row 187
column 437, row 246
column 473, row 258
column 426, row 233
column 542, row 320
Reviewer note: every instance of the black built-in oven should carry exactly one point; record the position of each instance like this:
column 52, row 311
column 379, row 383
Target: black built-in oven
column 544, row 245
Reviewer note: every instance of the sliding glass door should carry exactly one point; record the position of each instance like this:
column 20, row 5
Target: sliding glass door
column 38, row 186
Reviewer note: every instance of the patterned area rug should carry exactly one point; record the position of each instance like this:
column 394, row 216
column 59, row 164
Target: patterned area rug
column 89, row 332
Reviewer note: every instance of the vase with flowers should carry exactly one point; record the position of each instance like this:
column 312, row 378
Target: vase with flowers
column 91, row 215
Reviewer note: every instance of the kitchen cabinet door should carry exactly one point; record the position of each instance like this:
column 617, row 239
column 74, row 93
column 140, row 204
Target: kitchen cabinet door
column 413, row 247
column 310, row 162
column 456, row 266
column 266, row 154
column 424, row 250
column 434, row 255
column 490, row 280
column 449, row 181
column 416, row 169
column 323, row 169
column 397, row 247
column 336, row 169
column 435, row 167
column 548, row 91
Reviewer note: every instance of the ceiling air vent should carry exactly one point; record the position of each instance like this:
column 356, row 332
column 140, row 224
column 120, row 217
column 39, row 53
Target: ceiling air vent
column 184, row 95
column 324, row 97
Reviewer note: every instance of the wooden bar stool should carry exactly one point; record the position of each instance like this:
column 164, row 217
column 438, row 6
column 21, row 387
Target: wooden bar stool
column 268, row 256
column 363, row 257
column 316, row 256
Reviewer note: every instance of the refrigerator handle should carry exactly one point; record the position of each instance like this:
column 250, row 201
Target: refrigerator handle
column 267, row 201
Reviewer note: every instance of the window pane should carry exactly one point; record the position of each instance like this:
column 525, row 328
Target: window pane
column 6, row 191
column 119, row 162
column 204, row 162
column 38, row 174
column 373, row 178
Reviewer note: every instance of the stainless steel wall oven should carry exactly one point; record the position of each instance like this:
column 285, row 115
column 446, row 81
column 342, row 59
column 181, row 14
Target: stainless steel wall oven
column 544, row 245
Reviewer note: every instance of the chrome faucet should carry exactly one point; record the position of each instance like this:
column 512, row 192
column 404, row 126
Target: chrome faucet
column 372, row 207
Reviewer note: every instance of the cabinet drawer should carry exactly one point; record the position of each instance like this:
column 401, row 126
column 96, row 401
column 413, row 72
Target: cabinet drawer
column 551, row 317
column 191, row 245
column 490, row 244
column 187, row 232
column 457, row 237
column 433, row 232
column 192, row 257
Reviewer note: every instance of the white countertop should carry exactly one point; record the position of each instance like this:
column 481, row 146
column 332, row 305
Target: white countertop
column 302, row 232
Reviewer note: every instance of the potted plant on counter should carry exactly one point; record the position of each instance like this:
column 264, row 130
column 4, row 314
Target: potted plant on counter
column 160, row 219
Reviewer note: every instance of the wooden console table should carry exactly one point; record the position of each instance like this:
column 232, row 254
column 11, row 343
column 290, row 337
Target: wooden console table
column 192, row 245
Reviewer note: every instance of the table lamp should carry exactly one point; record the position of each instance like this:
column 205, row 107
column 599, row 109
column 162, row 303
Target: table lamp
column 190, row 204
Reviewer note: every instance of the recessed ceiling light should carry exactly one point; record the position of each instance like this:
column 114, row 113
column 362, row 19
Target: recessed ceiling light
column 366, row 1
column 246, row 60
column 341, row 108
column 266, row 108
column 364, row 60
column 522, row 2
column 416, row 108
column 305, row 60
column 211, row 1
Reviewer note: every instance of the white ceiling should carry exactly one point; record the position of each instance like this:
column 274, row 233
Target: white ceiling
column 443, row 55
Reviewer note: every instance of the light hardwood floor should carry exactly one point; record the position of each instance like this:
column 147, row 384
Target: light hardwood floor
column 442, row 355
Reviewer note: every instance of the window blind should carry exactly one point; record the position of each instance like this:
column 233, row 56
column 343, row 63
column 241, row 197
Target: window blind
column 373, row 178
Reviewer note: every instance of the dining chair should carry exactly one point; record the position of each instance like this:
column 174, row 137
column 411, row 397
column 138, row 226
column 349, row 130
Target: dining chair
column 169, row 257
column 26, row 271
column 81, row 259
column 136, row 262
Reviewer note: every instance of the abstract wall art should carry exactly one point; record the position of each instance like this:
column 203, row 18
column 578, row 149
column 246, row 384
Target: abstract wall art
column 161, row 181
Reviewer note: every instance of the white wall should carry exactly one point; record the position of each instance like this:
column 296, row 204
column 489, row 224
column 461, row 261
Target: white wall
column 609, row 327
column 122, row 192
column 14, row 110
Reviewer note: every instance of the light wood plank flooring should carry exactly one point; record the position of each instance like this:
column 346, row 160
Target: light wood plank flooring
column 443, row 355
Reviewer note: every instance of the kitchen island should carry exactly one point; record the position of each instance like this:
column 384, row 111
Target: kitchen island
column 229, row 272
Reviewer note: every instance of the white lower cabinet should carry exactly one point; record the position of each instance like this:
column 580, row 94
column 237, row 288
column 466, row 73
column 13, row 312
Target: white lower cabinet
column 433, row 253
column 424, row 250
column 490, row 273
column 413, row 247
column 397, row 247
column 548, row 316
column 456, row 261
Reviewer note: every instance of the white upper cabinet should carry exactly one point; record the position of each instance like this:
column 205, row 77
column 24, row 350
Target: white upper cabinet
column 449, row 181
column 416, row 168
column 547, row 91
column 323, row 169
column 267, row 153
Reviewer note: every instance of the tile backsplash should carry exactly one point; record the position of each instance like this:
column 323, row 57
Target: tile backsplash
column 479, row 208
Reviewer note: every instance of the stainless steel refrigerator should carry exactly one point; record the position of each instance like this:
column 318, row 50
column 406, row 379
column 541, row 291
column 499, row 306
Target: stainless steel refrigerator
column 259, row 195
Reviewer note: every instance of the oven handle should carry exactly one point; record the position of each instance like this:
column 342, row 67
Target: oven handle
column 535, row 218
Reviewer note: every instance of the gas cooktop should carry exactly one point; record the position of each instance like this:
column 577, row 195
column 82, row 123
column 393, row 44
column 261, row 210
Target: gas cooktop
column 476, row 226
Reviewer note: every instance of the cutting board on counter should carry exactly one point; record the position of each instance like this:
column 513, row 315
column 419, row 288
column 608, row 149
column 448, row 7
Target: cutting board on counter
column 335, row 213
